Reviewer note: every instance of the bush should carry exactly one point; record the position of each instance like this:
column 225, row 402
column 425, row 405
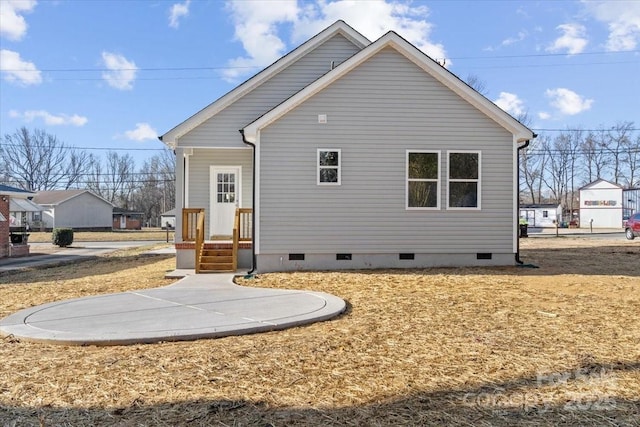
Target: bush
column 62, row 237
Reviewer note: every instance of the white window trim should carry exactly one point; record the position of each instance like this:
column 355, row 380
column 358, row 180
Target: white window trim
column 406, row 182
column 479, row 180
column 338, row 168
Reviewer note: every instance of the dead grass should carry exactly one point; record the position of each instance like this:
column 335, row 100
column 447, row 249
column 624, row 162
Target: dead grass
column 106, row 236
column 505, row 346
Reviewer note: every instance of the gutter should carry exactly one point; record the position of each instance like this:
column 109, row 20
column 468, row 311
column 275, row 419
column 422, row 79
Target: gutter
column 522, row 147
column 253, row 211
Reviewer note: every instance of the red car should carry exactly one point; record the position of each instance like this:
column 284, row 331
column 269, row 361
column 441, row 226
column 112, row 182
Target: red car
column 632, row 228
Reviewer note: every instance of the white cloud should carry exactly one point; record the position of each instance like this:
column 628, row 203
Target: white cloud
column 543, row 115
column 512, row 40
column 573, row 39
column 258, row 26
column 16, row 70
column 622, row 19
column 372, row 20
column 177, row 11
column 510, row 103
column 122, row 72
column 12, row 24
column 142, row 132
column 50, row 119
column 567, row 101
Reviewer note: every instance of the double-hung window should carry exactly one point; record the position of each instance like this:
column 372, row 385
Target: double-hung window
column 423, row 183
column 329, row 172
column 463, row 185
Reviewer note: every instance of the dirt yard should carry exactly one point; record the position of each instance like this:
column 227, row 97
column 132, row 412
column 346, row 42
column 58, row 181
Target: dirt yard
column 558, row 344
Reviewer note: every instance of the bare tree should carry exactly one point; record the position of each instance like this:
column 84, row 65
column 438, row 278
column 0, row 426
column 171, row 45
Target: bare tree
column 533, row 162
column 556, row 174
column 36, row 161
column 631, row 159
column 596, row 159
column 114, row 179
column 157, row 193
column 476, row 83
column 618, row 139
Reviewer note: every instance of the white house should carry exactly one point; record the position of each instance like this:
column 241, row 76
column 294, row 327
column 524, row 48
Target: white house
column 601, row 205
column 168, row 218
column 24, row 212
column 541, row 215
column 353, row 154
column 77, row 209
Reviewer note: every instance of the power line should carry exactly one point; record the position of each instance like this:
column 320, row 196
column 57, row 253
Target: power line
column 213, row 68
column 95, row 148
column 581, row 130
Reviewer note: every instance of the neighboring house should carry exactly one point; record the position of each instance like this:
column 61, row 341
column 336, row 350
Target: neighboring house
column 601, row 205
column 126, row 220
column 24, row 213
column 354, row 154
column 77, row 209
column 13, row 238
column 168, row 218
column 542, row 215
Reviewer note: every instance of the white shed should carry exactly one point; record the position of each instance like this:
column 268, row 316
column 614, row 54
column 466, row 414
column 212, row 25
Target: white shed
column 601, row 205
column 168, row 218
column 542, row 215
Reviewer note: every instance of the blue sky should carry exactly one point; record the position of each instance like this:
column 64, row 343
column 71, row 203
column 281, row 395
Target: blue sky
column 114, row 74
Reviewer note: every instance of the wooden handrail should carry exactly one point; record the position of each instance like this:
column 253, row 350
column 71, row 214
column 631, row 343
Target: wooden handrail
column 189, row 223
column 245, row 228
column 199, row 239
column 236, row 238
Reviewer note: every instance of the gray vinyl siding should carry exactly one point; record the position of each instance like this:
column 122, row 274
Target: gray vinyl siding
column 222, row 129
column 199, row 175
column 84, row 211
column 375, row 113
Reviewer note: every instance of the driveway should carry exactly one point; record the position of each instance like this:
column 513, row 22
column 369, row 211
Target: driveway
column 48, row 254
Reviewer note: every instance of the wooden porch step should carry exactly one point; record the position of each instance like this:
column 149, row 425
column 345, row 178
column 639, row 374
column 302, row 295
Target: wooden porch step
column 217, row 252
column 205, row 259
column 216, row 266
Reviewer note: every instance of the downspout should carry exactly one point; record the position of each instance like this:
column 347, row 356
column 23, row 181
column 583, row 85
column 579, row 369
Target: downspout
column 253, row 211
column 522, row 147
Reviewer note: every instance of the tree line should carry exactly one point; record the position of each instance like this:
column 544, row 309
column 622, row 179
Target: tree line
column 35, row 160
column 553, row 169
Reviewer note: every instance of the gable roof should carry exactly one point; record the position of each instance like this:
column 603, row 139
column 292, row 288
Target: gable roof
column 339, row 27
column 15, row 192
column 55, row 197
column 23, row 205
column 600, row 181
column 415, row 55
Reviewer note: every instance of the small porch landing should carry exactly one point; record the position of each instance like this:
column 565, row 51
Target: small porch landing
column 212, row 256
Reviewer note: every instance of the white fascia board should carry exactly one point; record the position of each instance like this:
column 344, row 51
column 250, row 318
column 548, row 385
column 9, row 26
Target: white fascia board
column 339, row 27
column 17, row 194
column 391, row 39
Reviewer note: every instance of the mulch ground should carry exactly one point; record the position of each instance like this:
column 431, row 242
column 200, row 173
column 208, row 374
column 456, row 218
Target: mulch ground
column 558, row 344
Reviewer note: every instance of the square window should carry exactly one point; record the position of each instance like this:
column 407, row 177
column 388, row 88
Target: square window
column 329, row 167
column 423, row 183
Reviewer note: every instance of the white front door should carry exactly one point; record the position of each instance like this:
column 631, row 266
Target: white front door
column 225, row 197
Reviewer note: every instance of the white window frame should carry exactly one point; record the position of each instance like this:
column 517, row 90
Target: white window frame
column 338, row 168
column 407, row 179
column 478, row 180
